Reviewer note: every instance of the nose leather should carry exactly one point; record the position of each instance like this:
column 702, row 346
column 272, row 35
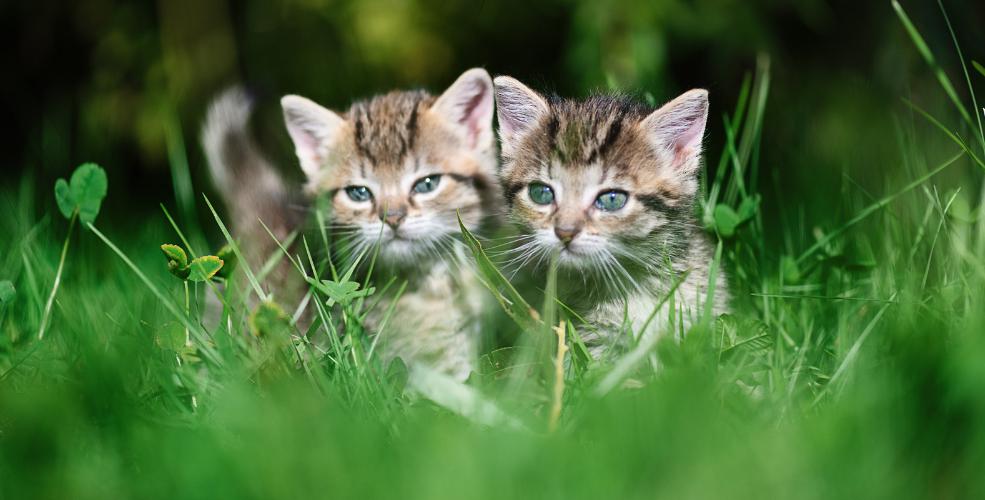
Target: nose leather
column 566, row 234
column 394, row 216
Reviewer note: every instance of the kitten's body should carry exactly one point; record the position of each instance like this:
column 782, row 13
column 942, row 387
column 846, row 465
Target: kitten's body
column 617, row 263
column 398, row 169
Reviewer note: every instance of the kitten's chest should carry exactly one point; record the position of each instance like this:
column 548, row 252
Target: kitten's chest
column 448, row 298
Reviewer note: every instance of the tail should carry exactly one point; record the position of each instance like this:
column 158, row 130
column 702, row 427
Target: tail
column 249, row 184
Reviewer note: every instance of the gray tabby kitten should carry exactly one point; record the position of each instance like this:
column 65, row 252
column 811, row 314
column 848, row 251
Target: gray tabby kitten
column 610, row 184
column 398, row 169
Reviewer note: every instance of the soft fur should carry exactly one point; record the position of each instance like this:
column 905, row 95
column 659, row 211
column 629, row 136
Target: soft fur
column 618, row 264
column 387, row 144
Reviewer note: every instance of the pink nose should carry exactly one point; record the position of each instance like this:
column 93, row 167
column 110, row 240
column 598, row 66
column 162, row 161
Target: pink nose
column 566, row 234
column 393, row 218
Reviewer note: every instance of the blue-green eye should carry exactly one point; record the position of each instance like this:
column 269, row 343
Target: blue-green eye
column 427, row 184
column 541, row 194
column 611, row 200
column 358, row 193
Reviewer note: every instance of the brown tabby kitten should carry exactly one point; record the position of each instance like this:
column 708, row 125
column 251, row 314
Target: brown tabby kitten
column 398, row 169
column 610, row 184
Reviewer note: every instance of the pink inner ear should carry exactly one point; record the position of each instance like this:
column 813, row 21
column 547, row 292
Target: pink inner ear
column 690, row 137
column 305, row 143
column 472, row 115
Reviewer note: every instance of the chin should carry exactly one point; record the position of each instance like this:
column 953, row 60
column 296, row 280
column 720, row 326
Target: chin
column 573, row 258
column 398, row 250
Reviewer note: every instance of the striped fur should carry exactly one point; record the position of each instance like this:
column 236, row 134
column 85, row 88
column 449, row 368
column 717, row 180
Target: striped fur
column 614, row 263
column 386, row 145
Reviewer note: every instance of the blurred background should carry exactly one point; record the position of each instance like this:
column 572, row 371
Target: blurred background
column 125, row 84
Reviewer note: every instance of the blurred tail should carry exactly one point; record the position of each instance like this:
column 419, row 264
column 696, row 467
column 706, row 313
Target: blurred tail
column 250, row 186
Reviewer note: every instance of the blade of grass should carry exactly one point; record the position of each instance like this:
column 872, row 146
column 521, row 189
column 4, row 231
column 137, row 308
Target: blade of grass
column 957, row 140
column 631, row 360
column 178, row 163
column 928, row 56
column 871, row 209
column 459, row 398
column 181, row 235
column 58, row 277
column 515, row 306
column 243, row 264
column 200, row 335
column 852, row 354
column 967, row 77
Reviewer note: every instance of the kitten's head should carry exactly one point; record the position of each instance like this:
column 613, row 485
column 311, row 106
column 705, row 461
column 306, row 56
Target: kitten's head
column 603, row 179
column 399, row 167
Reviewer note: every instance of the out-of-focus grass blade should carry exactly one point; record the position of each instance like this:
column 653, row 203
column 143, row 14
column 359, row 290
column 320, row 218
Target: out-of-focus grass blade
column 951, row 135
column 239, row 255
column 459, row 398
column 967, row 77
column 869, row 210
column 852, row 354
column 928, row 56
column 204, row 343
column 508, row 297
column 632, row 360
column 978, row 67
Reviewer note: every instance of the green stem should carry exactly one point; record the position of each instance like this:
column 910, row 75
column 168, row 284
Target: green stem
column 188, row 335
column 58, row 276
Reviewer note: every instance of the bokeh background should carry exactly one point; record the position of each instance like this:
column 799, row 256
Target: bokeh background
column 125, row 84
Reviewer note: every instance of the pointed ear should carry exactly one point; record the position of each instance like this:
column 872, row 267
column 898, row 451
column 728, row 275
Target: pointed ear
column 679, row 126
column 468, row 105
column 518, row 110
column 312, row 128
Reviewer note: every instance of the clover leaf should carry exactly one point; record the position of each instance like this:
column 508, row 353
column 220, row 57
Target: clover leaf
column 83, row 194
column 204, row 268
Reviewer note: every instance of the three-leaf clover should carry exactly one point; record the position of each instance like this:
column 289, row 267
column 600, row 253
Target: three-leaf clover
column 84, row 194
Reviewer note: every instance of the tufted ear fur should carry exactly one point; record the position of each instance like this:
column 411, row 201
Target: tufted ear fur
column 468, row 106
column 679, row 126
column 518, row 110
column 312, row 128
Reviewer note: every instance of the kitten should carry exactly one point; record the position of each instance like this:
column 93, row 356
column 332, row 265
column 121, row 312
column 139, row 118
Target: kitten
column 398, row 168
column 610, row 185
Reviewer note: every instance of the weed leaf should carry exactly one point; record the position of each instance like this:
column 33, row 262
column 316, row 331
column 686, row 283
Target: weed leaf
column 343, row 292
column 63, row 195
column 229, row 260
column 171, row 337
column 175, row 253
column 749, row 207
column 204, row 268
column 726, row 220
column 270, row 321
column 508, row 297
column 88, row 190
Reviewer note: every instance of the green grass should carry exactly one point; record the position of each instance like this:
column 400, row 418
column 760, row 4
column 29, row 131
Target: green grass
column 852, row 364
